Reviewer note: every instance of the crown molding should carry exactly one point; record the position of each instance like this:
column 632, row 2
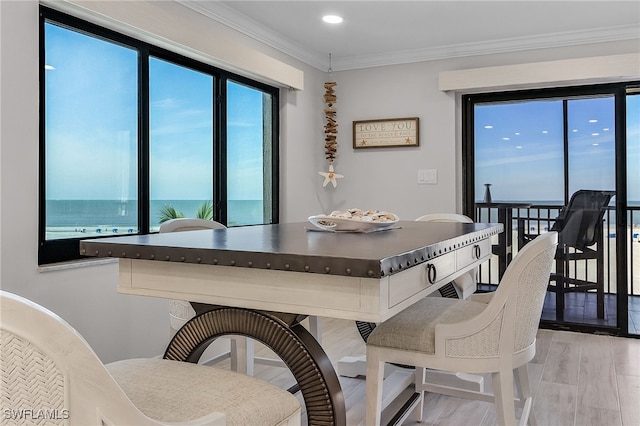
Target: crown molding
column 253, row 29
column 544, row 41
column 257, row 31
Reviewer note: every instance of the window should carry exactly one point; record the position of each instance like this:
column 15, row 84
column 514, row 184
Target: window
column 515, row 138
column 511, row 140
column 132, row 135
column 249, row 180
column 181, row 113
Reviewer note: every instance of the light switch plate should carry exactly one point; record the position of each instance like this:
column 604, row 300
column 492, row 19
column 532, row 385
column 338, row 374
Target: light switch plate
column 427, row 176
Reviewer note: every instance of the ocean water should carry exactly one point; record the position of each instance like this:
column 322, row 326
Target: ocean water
column 93, row 217
column 491, row 214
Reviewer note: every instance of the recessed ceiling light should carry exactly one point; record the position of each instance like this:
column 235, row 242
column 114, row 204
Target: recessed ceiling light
column 488, row 126
column 49, row 67
column 593, row 120
column 332, row 19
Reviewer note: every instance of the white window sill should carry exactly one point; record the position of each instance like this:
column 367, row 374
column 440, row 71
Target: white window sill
column 75, row 264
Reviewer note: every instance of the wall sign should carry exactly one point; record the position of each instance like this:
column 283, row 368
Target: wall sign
column 386, row 132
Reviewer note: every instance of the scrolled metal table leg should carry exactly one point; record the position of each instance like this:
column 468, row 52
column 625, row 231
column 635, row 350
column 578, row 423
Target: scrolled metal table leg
column 296, row 347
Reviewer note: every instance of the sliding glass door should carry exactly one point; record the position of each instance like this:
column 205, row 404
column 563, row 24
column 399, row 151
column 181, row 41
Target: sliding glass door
column 633, row 209
column 550, row 160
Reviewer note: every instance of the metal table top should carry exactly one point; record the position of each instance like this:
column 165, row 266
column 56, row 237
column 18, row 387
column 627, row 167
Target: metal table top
column 296, row 247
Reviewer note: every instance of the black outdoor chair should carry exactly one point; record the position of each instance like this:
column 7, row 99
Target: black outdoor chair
column 580, row 237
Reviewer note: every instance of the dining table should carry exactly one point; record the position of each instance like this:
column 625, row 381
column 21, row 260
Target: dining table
column 262, row 281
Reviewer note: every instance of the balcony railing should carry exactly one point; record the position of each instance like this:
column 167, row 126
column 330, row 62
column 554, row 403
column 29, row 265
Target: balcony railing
column 539, row 218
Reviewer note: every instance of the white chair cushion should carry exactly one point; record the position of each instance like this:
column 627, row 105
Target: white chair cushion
column 198, row 390
column 414, row 328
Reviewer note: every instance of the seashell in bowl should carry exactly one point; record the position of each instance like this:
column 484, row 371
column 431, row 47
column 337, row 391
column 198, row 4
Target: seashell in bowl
column 355, row 220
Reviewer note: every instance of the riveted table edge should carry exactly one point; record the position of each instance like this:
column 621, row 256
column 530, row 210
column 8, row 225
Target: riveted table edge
column 365, row 268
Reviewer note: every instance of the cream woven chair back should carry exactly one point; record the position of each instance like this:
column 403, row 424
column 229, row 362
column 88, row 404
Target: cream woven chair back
column 531, row 291
column 522, row 302
column 34, row 382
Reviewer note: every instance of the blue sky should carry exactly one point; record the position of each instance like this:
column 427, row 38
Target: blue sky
column 519, row 148
column 92, row 127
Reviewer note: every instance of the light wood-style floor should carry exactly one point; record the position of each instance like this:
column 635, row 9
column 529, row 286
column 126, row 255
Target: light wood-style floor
column 577, row 379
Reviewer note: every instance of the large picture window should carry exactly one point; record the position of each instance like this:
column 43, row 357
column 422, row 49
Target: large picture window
column 133, row 135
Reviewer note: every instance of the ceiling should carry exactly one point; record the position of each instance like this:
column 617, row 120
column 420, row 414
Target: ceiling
column 378, row 33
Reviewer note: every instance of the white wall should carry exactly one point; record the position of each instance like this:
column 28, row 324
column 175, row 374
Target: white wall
column 119, row 326
column 386, row 178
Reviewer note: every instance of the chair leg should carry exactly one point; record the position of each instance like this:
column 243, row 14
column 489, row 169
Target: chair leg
column 420, row 375
column 524, row 388
column 375, row 377
column 504, row 398
column 315, row 327
column 561, row 271
column 242, row 358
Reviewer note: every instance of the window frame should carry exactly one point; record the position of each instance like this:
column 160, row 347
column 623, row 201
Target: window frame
column 54, row 251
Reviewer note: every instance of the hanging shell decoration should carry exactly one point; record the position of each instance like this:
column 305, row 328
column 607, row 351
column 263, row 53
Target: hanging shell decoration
column 330, row 134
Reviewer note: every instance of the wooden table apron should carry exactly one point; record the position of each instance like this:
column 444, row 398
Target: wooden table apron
column 261, row 281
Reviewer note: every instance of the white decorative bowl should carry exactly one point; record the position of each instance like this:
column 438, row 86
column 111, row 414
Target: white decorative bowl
column 339, row 224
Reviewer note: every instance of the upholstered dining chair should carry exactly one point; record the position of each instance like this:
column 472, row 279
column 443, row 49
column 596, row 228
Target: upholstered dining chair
column 488, row 333
column 461, row 288
column 466, row 284
column 181, row 311
column 51, row 376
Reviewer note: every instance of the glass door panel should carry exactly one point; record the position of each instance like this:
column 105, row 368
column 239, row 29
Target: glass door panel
column 519, row 151
column 588, row 260
column 532, row 156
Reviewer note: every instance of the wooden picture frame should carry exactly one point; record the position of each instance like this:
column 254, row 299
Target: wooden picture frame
column 386, row 132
